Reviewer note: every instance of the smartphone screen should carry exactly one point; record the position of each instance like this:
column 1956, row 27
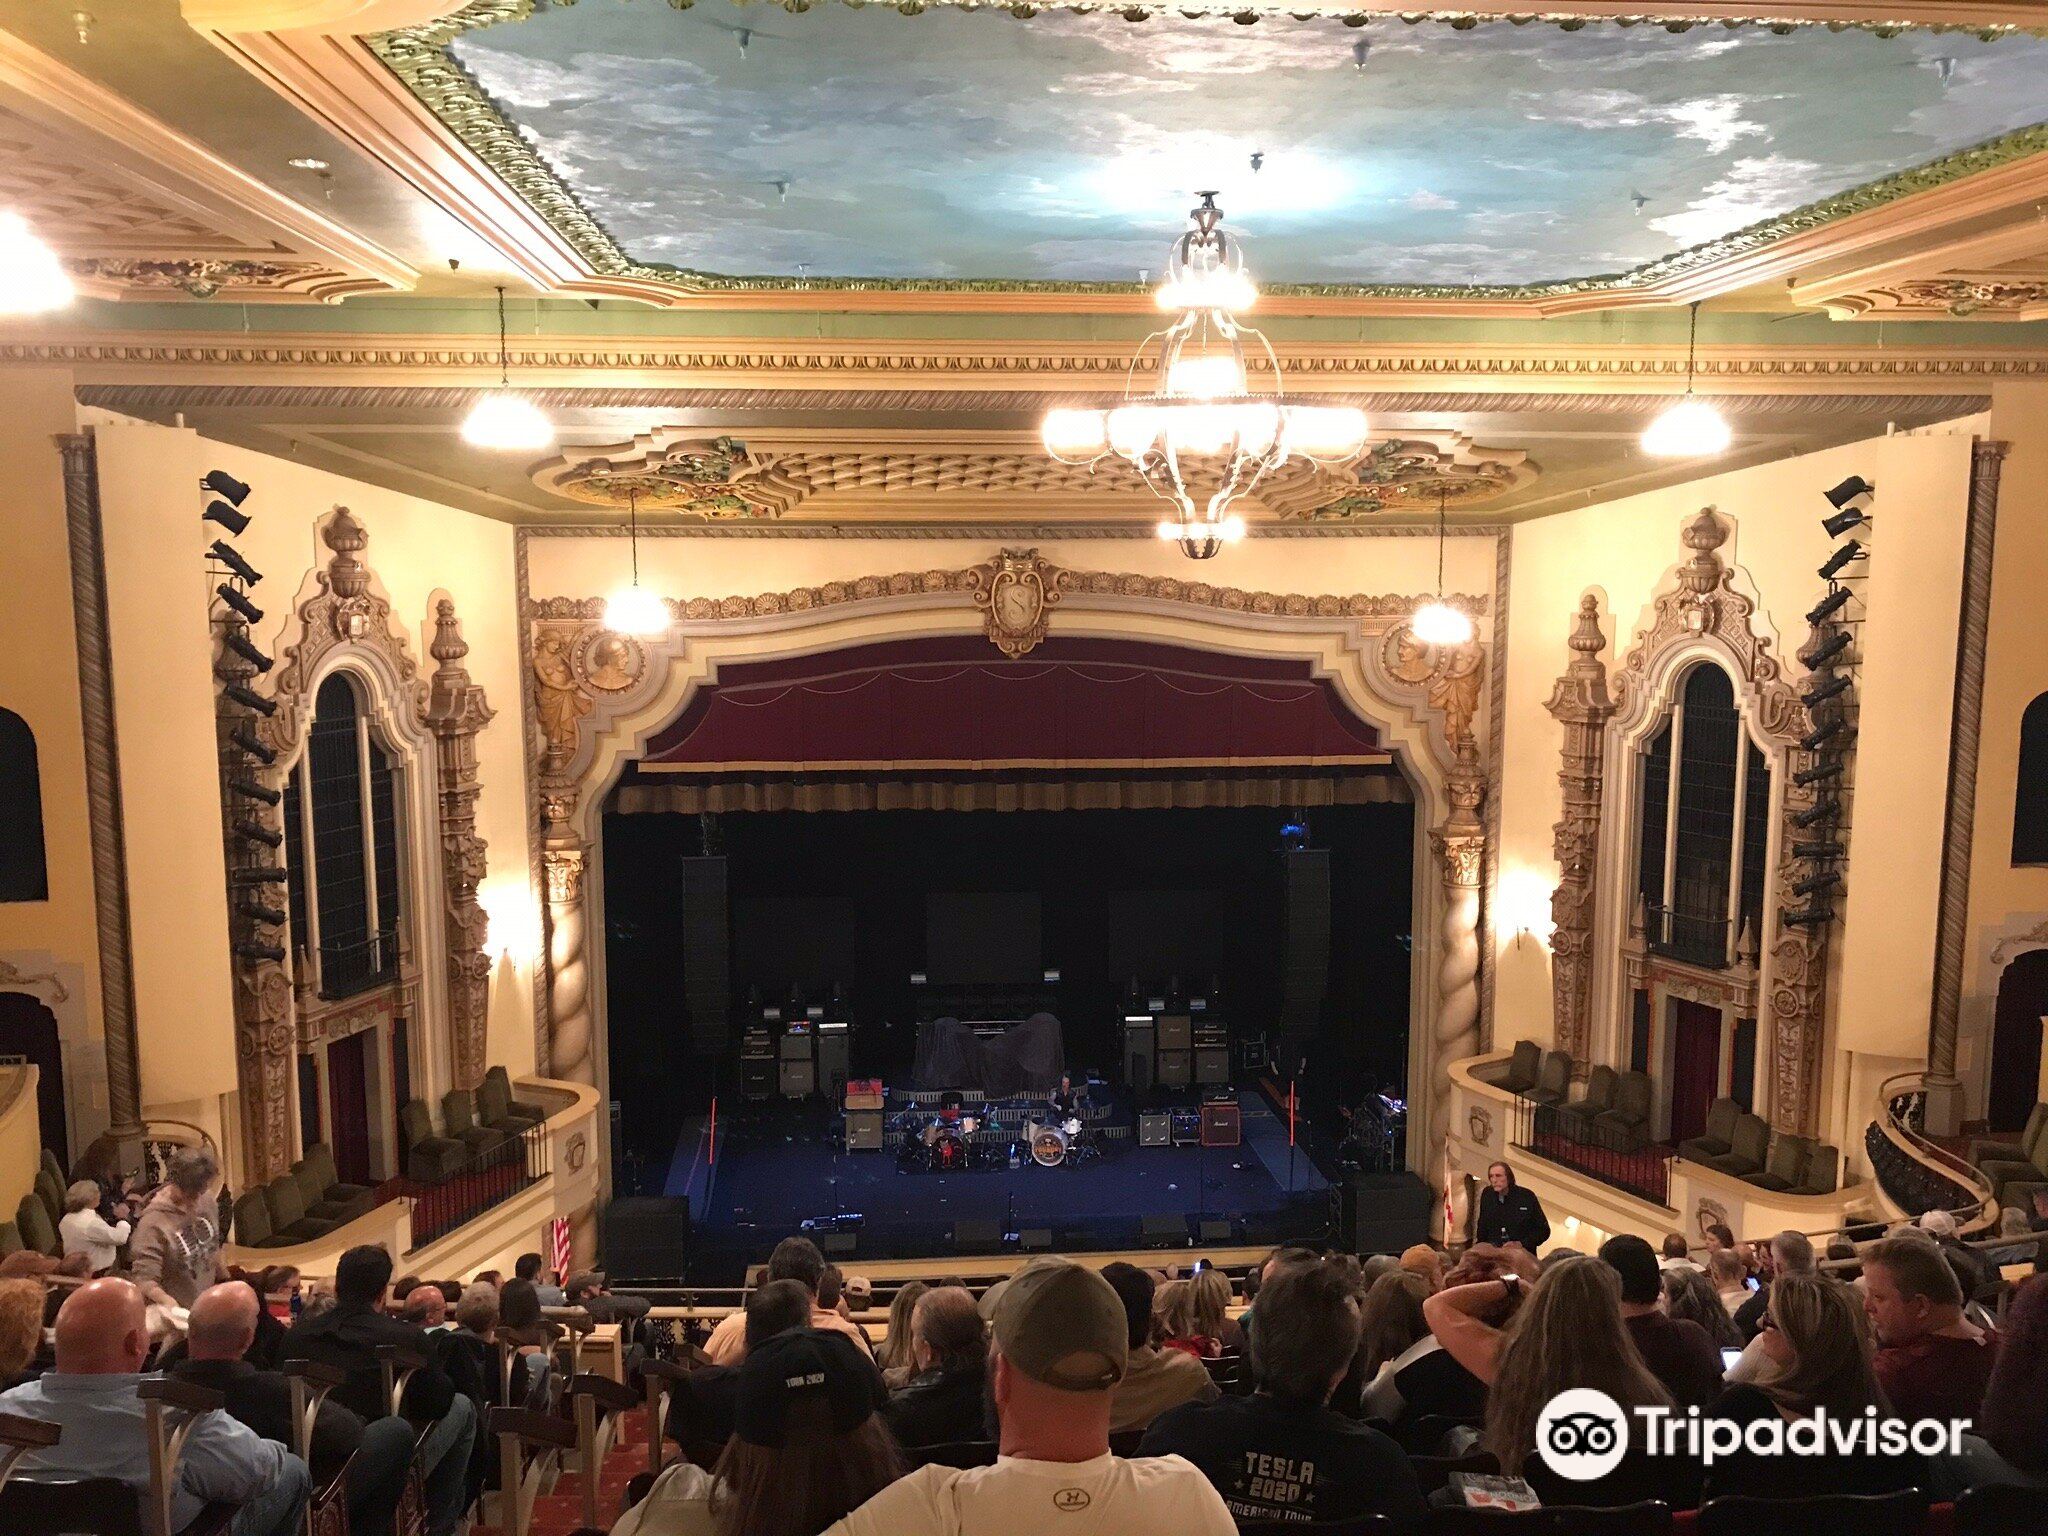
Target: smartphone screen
column 1729, row 1357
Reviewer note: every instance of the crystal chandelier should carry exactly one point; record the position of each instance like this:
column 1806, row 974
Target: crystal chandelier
column 1204, row 438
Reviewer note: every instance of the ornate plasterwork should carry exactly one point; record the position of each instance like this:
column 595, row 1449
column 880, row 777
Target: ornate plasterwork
column 1581, row 705
column 209, row 278
column 1016, row 592
column 456, row 711
column 707, row 477
column 2004, row 294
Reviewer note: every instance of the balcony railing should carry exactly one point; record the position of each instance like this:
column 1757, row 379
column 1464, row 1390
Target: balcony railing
column 1643, row 1169
column 484, row 1180
column 347, row 969
column 1686, row 936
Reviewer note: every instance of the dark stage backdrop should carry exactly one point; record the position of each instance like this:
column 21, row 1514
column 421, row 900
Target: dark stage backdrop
column 862, row 898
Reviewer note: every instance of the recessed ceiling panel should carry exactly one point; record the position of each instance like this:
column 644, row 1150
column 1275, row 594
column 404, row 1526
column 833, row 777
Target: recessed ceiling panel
column 982, row 148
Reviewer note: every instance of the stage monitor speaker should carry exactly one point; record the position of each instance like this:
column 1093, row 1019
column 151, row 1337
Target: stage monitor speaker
column 799, row 1079
column 1305, row 945
column 646, row 1237
column 1212, row 1064
column 1383, row 1212
column 1035, row 1239
column 707, row 966
column 1138, row 1056
column 1221, row 1126
column 1155, row 1129
column 863, row 1130
column 1163, row 1231
column 1216, row 1232
column 1176, row 1069
column 977, row 1236
column 839, row 1245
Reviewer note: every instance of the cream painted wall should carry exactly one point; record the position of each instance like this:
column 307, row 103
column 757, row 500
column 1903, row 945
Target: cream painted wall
column 39, row 682
column 417, row 550
column 1624, row 551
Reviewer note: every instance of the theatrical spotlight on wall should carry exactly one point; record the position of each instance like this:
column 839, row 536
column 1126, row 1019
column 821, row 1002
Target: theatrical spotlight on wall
column 1836, row 563
column 1822, row 655
column 253, row 951
column 249, row 789
column 1823, row 812
column 256, row 875
column 250, row 700
column 235, row 641
column 220, row 512
column 247, row 741
column 219, row 482
column 249, row 831
column 256, row 911
column 1831, row 688
column 234, row 562
column 248, row 611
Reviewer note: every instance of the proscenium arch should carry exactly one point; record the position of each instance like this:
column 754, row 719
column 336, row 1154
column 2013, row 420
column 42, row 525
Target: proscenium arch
column 1337, row 650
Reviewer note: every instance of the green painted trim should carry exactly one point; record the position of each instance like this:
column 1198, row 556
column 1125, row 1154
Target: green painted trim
column 421, row 59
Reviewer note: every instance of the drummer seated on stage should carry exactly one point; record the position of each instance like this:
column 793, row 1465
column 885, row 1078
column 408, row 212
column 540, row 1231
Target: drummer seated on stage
column 950, row 1109
column 1067, row 1100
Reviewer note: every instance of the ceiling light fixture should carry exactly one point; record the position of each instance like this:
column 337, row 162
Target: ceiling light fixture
column 1692, row 428
column 1204, row 432
column 307, row 163
column 32, row 280
column 504, row 419
column 1436, row 622
column 633, row 610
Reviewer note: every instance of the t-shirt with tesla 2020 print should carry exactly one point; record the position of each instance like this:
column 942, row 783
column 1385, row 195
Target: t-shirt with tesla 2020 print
column 1272, row 1459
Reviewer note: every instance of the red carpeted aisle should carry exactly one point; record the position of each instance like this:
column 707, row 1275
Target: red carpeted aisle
column 560, row 1512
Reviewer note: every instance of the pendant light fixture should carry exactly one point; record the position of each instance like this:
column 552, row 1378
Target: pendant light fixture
column 633, row 610
column 504, row 419
column 1436, row 622
column 32, row 280
column 1690, row 429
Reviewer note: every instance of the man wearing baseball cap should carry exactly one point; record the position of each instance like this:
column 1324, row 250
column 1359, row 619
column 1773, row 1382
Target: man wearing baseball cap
column 1059, row 1348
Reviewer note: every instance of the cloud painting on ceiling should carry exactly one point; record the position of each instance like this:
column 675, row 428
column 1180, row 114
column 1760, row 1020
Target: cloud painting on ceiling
column 974, row 145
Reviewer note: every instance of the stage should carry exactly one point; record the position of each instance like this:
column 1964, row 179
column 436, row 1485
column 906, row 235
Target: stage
column 780, row 1168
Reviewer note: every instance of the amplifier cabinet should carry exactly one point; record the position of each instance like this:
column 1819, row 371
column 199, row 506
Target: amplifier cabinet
column 796, row 1047
column 1220, row 1126
column 1155, row 1129
column 863, row 1130
column 1176, row 1068
column 799, row 1079
column 1138, row 1057
column 1176, row 1032
column 757, row 1076
column 1187, row 1128
column 835, row 1059
column 1212, row 1064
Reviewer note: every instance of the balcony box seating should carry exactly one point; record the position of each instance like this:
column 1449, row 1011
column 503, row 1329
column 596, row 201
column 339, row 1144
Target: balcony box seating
column 288, row 1218
column 252, row 1223
column 55, row 1170
column 458, row 1114
column 2014, row 1179
column 38, row 1232
column 10, row 1238
column 1746, row 1148
column 1626, row 1126
column 1823, row 1172
column 428, row 1158
column 496, row 1107
column 1785, row 1167
column 1986, row 1149
column 1518, row 1072
column 1719, row 1137
column 1576, row 1118
column 326, row 1197
column 1553, row 1081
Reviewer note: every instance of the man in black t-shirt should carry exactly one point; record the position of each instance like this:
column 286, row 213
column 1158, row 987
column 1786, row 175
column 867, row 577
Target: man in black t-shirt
column 1282, row 1453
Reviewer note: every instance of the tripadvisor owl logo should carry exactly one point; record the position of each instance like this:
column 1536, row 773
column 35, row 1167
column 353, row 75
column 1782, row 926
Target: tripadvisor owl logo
column 1582, row 1434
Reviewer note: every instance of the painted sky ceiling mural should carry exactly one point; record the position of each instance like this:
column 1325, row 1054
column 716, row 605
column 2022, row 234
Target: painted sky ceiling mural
column 976, row 146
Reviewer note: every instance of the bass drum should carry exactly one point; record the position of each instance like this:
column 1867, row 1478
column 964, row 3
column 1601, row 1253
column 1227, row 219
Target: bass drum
column 1049, row 1146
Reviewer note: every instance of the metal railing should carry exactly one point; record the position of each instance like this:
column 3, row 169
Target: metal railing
column 1687, row 936
column 347, row 969
column 1643, row 1169
column 484, row 1179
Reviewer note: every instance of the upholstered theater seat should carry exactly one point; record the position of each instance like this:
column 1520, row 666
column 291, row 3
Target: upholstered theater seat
column 428, row 1158
column 326, row 1197
column 1823, row 1172
column 1576, row 1118
column 1719, row 1136
column 1785, row 1167
column 1747, row 1150
column 497, row 1109
column 1626, row 1126
column 288, row 1218
column 1519, row 1073
column 458, row 1117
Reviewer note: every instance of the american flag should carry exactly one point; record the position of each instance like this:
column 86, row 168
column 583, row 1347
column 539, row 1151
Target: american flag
column 558, row 1246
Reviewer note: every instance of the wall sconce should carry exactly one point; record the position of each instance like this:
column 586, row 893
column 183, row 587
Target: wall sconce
column 1523, row 906
column 515, row 932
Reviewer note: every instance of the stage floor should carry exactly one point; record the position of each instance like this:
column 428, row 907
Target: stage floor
column 773, row 1176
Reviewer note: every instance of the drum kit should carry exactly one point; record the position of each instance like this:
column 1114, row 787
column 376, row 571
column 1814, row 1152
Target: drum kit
column 943, row 1145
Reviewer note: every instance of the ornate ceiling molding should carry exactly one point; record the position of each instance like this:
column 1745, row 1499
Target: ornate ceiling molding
column 2009, row 293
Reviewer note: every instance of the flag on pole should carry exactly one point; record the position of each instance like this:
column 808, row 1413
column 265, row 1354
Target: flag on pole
column 558, row 1247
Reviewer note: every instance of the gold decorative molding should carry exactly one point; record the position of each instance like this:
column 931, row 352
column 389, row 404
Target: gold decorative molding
column 1580, row 703
column 456, row 711
column 2003, row 294
column 1016, row 592
column 125, row 277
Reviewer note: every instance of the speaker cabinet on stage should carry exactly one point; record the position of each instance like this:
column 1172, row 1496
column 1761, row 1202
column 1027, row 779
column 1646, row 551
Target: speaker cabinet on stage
column 1176, row 1069
column 1383, row 1212
column 1163, row 1231
column 1216, row 1232
column 977, row 1236
column 1212, row 1064
column 1155, row 1129
column 1035, row 1239
column 863, row 1130
column 646, row 1238
column 1176, row 1032
column 796, row 1045
column 707, row 970
column 1138, row 1054
column 839, row 1245
column 1220, row 1125
column 799, row 1079
column 757, row 1076
column 835, row 1056
column 1305, row 945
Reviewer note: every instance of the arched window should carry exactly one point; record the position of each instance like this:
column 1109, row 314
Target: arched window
column 2030, row 796
column 341, row 829
column 1703, row 825
column 23, row 874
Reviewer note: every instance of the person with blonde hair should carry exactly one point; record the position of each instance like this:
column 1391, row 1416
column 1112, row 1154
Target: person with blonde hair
column 85, row 1231
column 1173, row 1310
column 897, row 1352
column 1209, row 1297
column 21, row 1328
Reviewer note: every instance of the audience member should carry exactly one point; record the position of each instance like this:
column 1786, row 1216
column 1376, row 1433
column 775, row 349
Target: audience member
column 1424, row 1262
column 1173, row 1317
column 2011, row 1442
column 1931, row 1360
column 1730, row 1277
column 794, row 1258
column 347, row 1337
column 1689, row 1296
column 529, row 1339
column 21, row 1328
column 1424, row 1380
column 531, row 1267
column 700, row 1414
column 1150, row 1380
column 587, row 1289
column 1821, row 1360
column 426, row 1308
column 1568, row 1332
column 1843, row 1265
column 477, row 1312
column 1676, row 1254
column 174, row 1253
column 2012, row 1225
column 807, row 1447
column 489, row 1277
column 1508, row 1213
column 1721, row 1239
column 1389, row 1325
column 896, row 1353
column 1282, row 1454
column 2039, row 1223
column 85, row 1231
column 403, row 1287
column 1789, row 1253
column 1975, row 1272
column 943, row 1400
column 1679, row 1353
column 1209, row 1303
column 1060, row 1347
column 102, row 1341
column 282, row 1289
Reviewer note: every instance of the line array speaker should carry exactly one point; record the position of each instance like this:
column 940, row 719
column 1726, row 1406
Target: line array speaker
column 1305, row 947
column 707, row 967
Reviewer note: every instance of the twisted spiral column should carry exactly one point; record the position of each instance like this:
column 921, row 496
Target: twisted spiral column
column 568, row 966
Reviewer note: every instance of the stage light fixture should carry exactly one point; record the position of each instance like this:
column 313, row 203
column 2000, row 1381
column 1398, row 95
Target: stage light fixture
column 1828, row 606
column 1833, row 565
column 1826, row 651
column 1812, row 851
column 1819, row 773
column 220, row 512
column 1833, row 688
column 1854, row 489
column 1828, row 728
column 256, row 874
column 256, row 701
column 249, row 789
column 1843, row 521
column 1823, row 812
column 221, row 483
column 249, row 831
column 244, row 739
column 255, row 910
column 1810, row 917
column 234, row 562
column 252, row 952
column 237, row 642
column 235, row 600
column 1827, row 880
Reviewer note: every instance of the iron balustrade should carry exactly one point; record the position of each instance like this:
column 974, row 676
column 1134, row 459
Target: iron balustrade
column 484, row 1179
column 1686, row 936
column 349, row 969
column 1644, row 1170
